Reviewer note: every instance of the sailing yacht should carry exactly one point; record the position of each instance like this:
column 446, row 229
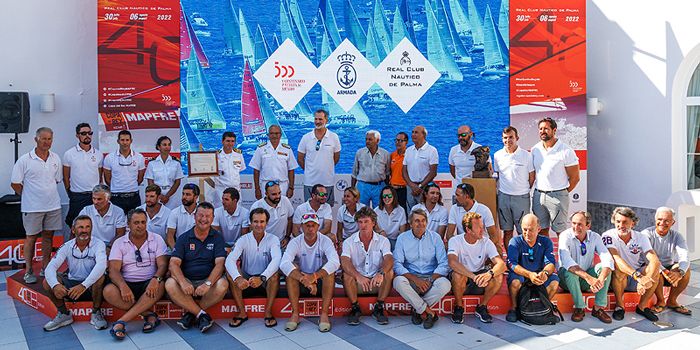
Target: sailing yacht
column 439, row 53
column 496, row 58
column 202, row 110
column 375, row 54
column 477, row 27
column 355, row 33
column 189, row 42
column 198, row 21
column 503, row 21
column 460, row 18
column 449, row 35
column 232, row 32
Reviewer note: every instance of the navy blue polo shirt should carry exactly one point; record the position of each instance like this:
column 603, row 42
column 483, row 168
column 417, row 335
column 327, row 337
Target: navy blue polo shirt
column 198, row 256
column 533, row 258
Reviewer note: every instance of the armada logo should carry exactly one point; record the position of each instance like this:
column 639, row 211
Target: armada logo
column 346, row 75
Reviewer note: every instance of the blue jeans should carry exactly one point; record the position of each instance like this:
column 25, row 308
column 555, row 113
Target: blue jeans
column 370, row 192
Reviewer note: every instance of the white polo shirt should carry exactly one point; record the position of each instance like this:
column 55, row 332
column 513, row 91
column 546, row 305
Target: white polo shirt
column 319, row 166
column 165, row 173
column 325, row 212
column 463, row 161
column 273, row 163
column 84, row 168
column 513, row 171
column 125, row 171
column 550, row 165
column 367, row 262
column 279, row 216
column 457, row 213
column 256, row 259
column 230, row 167
column 231, row 224
column 86, row 266
column 391, row 223
column 419, row 160
column 38, row 179
column 310, row 259
column 181, row 220
column 436, row 218
column 348, row 220
column 634, row 252
column 472, row 256
column 158, row 224
column 104, row 228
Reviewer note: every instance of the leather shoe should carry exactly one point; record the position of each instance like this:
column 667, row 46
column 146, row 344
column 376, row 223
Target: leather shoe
column 601, row 315
column 578, row 315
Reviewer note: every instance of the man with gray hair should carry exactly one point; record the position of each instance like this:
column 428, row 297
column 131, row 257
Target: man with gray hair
column 672, row 250
column 370, row 169
column 419, row 165
column 34, row 177
column 108, row 220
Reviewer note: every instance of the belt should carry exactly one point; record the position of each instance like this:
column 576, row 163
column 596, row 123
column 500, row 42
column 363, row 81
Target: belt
column 125, row 194
column 82, row 193
column 373, row 183
column 540, row 191
column 398, row 186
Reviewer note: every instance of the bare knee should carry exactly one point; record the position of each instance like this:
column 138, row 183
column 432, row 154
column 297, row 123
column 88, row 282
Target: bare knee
column 171, row 285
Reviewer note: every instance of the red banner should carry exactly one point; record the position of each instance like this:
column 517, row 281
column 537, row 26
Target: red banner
column 116, row 121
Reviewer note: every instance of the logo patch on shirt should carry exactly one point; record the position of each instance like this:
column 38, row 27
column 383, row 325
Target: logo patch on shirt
column 192, row 246
column 635, row 248
column 210, row 246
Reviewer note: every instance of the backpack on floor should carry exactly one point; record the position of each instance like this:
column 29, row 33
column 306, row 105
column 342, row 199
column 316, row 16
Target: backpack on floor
column 534, row 307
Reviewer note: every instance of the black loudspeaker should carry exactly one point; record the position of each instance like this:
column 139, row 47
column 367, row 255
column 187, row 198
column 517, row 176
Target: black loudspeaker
column 14, row 112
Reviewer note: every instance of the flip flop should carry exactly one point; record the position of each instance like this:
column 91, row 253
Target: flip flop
column 270, row 325
column 291, row 326
column 324, row 327
column 118, row 334
column 681, row 310
column 148, row 326
column 657, row 309
column 240, row 321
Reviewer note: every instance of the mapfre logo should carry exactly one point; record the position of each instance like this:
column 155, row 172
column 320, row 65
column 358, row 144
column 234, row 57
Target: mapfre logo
column 29, row 297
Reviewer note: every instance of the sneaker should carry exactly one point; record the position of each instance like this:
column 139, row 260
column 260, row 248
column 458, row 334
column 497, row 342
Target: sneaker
column 379, row 315
column 204, row 322
column 29, row 278
column 430, row 321
column 59, row 321
column 186, row 321
column 601, row 315
column 458, row 314
column 482, row 313
column 647, row 313
column 512, row 316
column 98, row 321
column 619, row 313
column 354, row 316
column 41, row 273
column 415, row 317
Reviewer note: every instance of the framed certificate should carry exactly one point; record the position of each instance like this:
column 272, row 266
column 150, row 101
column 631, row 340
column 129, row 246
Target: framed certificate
column 204, row 163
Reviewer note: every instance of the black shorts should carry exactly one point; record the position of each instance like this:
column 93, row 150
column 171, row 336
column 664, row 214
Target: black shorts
column 306, row 292
column 138, row 288
column 251, row 292
column 69, row 283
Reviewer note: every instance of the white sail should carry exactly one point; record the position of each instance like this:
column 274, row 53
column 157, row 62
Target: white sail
column 477, row 26
column 399, row 28
column 300, row 26
column 438, row 52
column 450, row 35
column 460, row 18
column 495, row 50
column 246, row 39
column 380, row 25
column 503, row 22
column 353, row 29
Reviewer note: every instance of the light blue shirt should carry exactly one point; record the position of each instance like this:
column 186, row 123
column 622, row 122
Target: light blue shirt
column 424, row 256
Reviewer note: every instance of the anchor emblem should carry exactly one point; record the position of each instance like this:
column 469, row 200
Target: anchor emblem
column 346, row 75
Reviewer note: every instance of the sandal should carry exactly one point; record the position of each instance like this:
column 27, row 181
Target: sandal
column 291, row 326
column 657, row 309
column 268, row 324
column 149, row 326
column 681, row 310
column 118, row 334
column 239, row 320
column 324, row 327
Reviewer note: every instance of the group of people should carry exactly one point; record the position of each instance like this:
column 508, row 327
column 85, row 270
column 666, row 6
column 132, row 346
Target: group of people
column 130, row 254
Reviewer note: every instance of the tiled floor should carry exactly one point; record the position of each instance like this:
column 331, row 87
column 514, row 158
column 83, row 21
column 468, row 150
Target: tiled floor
column 21, row 328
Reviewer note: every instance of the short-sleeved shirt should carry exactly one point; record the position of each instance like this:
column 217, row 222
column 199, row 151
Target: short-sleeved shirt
column 256, row 259
column 436, row 218
column 309, row 259
column 396, row 178
column 513, row 171
column 125, row 171
column 181, row 220
column 371, row 168
column 231, row 224
column 670, row 248
column 348, row 220
column 230, row 167
column 550, row 166
column 84, row 168
column 319, row 166
column 104, row 228
column 125, row 251
column 38, row 179
column 391, row 223
column 165, row 173
column 533, row 258
column 462, row 161
column 279, row 215
column 457, row 212
column 367, row 262
column 198, row 257
column 634, row 252
column 473, row 256
column 158, row 224
column 273, row 163
column 325, row 212
column 419, row 160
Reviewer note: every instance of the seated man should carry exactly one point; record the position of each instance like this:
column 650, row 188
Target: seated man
column 420, row 265
column 310, row 261
column 260, row 254
column 636, row 263
column 108, row 220
column 137, row 265
column 367, row 266
column 477, row 268
column 196, row 270
column 87, row 261
column 672, row 251
column 577, row 248
column 231, row 219
column 530, row 256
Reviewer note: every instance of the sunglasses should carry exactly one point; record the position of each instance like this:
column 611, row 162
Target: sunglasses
column 464, row 134
column 400, row 140
column 432, row 184
column 139, row 258
column 388, row 195
column 309, row 216
column 318, row 145
column 128, row 161
column 271, row 183
column 322, row 194
column 85, row 133
column 583, row 248
column 530, row 254
column 84, row 256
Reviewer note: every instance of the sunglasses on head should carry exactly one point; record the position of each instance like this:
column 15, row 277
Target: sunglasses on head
column 318, row 145
column 432, row 184
column 530, row 254
column 85, row 133
column 309, row 216
column 271, row 183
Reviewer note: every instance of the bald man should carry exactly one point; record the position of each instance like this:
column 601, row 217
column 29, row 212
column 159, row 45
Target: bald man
column 461, row 159
column 419, row 165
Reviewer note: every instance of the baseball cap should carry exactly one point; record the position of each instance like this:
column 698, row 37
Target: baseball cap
column 309, row 217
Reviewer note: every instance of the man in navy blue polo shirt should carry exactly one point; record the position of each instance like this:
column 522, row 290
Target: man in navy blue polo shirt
column 531, row 257
column 196, row 269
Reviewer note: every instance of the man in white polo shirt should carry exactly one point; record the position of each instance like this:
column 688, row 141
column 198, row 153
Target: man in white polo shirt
column 464, row 195
column 460, row 158
column 316, row 204
column 419, row 165
column 231, row 219
column 157, row 213
column 182, row 218
column 124, row 170
column 516, row 174
column 231, row 163
column 281, row 212
column 34, row 177
column 318, row 153
column 432, row 204
column 274, row 161
column 108, row 220
column 82, row 170
column 557, row 174
column 260, row 254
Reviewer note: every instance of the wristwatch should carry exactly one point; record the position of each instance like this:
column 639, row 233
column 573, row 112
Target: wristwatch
column 636, row 275
column 263, row 278
column 546, row 273
column 158, row 278
column 491, row 272
column 207, row 282
column 682, row 272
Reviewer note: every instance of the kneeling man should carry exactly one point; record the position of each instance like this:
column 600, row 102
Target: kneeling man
column 367, row 266
column 477, row 268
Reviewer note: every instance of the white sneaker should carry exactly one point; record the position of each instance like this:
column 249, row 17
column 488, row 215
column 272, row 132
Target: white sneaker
column 29, row 278
column 97, row 320
column 41, row 273
column 59, row 321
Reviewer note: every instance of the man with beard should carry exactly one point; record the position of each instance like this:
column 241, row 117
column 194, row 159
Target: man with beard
column 370, row 169
column 432, row 204
column 419, row 165
column 231, row 219
column 318, row 153
column 124, row 170
column 317, row 205
column 556, row 175
column 464, row 196
column 156, row 211
column 108, row 220
column 82, row 170
column 280, row 209
column 182, row 218
column 274, row 161
column 461, row 159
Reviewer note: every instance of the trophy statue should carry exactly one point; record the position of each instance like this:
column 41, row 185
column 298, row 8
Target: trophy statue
column 481, row 167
